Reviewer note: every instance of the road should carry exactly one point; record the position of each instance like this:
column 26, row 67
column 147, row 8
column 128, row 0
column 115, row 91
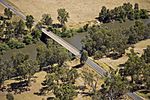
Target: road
column 69, row 47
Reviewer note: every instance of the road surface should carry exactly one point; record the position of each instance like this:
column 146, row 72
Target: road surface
column 69, row 47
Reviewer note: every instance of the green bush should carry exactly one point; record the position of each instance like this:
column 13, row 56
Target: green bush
column 98, row 55
column 9, row 96
column 20, row 45
column 80, row 30
column 27, row 39
column 14, row 43
column 3, row 47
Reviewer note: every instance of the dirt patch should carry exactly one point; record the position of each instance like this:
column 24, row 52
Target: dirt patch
column 79, row 10
column 1, row 9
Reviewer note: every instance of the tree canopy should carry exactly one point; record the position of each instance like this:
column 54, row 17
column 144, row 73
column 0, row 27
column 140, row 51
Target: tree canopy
column 63, row 16
column 121, row 13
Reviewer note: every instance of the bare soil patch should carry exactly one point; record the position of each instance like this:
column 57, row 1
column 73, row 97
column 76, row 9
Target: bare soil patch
column 1, row 9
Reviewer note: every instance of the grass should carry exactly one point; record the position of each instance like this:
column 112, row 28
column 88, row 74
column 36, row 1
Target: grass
column 80, row 11
column 40, row 76
column 103, row 65
column 1, row 9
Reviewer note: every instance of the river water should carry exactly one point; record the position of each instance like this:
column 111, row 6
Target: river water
column 76, row 39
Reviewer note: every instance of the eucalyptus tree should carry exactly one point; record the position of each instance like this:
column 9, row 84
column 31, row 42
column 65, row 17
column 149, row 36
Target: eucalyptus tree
column 29, row 21
column 84, row 56
column 46, row 19
column 114, row 87
column 8, row 13
column 63, row 16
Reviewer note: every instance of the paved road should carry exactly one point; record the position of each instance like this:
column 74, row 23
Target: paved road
column 69, row 47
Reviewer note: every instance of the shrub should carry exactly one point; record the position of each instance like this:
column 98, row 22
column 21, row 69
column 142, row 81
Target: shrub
column 9, row 96
column 14, row 43
column 98, row 55
column 28, row 39
column 3, row 47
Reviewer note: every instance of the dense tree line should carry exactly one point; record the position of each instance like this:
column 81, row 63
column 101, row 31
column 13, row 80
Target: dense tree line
column 121, row 13
column 17, row 34
column 101, row 41
column 51, row 54
column 20, row 65
column 137, row 68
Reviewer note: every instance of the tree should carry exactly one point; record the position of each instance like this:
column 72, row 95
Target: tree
column 60, row 80
column 14, row 43
column 46, row 19
column 41, row 55
column 18, row 59
column 19, row 28
column 9, row 30
column 144, row 14
column 136, row 14
column 52, row 54
column 146, row 55
column 134, row 66
column 121, row 13
column 84, row 56
column 27, row 39
column 130, row 15
column 3, row 47
column 3, row 74
column 136, row 6
column 65, row 92
column 72, row 75
column 9, row 96
column 90, row 80
column 29, row 21
column 146, row 77
column 36, row 33
column 102, row 14
column 8, row 13
column 117, row 43
column 114, row 87
column 29, row 68
column 63, row 16
column 62, row 55
column 127, row 7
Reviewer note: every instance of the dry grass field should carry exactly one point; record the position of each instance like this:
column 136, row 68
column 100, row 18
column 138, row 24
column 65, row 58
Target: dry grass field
column 40, row 77
column 1, row 9
column 80, row 10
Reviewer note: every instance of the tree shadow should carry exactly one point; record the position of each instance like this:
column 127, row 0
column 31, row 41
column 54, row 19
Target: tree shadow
column 18, row 87
column 50, row 98
column 57, row 25
column 42, row 91
column 78, row 66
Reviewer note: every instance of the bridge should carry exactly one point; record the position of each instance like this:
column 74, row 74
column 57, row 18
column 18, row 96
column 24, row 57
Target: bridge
column 69, row 47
